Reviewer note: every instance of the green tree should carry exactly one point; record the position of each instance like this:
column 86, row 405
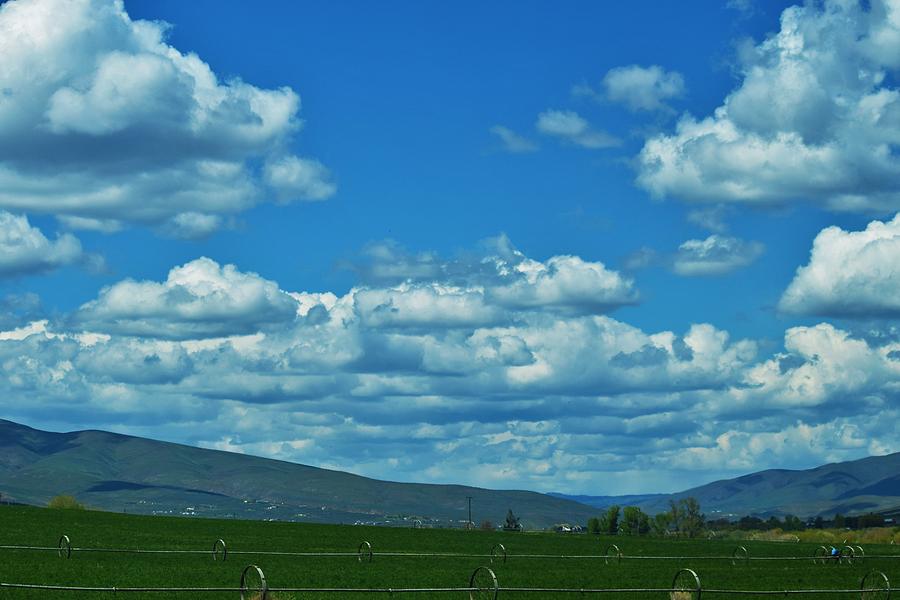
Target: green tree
column 512, row 522
column 675, row 514
column 686, row 516
column 635, row 521
column 593, row 525
column 793, row 523
column 609, row 523
column 660, row 523
column 692, row 520
column 65, row 502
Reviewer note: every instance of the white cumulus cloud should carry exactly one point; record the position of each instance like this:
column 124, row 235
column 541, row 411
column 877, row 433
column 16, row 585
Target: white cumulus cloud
column 197, row 300
column 816, row 117
column 642, row 88
column 850, row 274
column 419, row 375
column 104, row 123
column 566, row 282
column 24, row 249
column 823, row 365
column 295, row 178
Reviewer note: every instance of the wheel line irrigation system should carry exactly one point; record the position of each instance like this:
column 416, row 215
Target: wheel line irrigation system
column 483, row 583
column 365, row 553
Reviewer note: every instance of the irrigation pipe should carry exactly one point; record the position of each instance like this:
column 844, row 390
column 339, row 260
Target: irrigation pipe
column 482, row 582
column 62, row 588
column 497, row 553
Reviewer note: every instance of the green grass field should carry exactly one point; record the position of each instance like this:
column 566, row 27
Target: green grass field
column 42, row 527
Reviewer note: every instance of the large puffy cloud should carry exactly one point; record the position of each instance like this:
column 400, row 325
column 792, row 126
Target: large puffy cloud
column 412, row 375
column 816, row 117
column 24, row 249
column 506, row 278
column 565, row 282
column 104, row 122
column 850, row 274
column 199, row 299
column 822, row 367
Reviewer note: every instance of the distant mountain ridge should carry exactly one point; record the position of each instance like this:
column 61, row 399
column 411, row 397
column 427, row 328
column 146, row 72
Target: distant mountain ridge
column 125, row 473
column 602, row 502
column 866, row 485
column 119, row 472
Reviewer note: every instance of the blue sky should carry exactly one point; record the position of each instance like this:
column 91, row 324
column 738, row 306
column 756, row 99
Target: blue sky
column 593, row 248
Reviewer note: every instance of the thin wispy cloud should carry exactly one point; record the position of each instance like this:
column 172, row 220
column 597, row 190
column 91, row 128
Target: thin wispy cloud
column 569, row 126
column 715, row 255
column 512, row 141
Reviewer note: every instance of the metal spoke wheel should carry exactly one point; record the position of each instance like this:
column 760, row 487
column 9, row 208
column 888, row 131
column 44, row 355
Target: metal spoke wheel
column 483, row 584
column 613, row 554
column 364, row 552
column 685, row 586
column 820, row 555
column 498, row 554
column 740, row 556
column 253, row 584
column 64, row 547
column 875, row 586
column 219, row 550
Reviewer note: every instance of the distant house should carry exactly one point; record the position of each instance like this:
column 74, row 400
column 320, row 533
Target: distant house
column 567, row 528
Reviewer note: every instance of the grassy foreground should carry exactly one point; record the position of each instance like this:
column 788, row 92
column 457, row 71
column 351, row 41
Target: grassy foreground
column 42, row 527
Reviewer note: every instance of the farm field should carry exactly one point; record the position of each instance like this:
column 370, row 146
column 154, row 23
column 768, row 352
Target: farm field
column 29, row 526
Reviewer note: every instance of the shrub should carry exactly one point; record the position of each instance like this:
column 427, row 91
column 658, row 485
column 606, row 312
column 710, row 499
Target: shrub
column 65, row 502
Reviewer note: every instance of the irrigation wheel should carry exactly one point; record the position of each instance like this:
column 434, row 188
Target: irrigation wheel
column 820, row 555
column 613, row 554
column 253, row 584
column 498, row 554
column 685, row 586
column 484, row 585
column 219, row 550
column 740, row 556
column 64, row 547
column 875, row 586
column 364, row 552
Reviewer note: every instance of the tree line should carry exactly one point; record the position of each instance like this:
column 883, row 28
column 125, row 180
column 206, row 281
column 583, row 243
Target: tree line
column 794, row 523
column 683, row 518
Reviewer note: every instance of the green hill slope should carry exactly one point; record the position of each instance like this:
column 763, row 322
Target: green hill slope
column 867, row 485
column 124, row 473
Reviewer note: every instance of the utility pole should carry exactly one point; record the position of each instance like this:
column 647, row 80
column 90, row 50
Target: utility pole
column 470, row 524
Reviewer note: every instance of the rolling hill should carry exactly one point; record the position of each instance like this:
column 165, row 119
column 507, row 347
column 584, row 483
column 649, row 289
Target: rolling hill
column 867, row 485
column 124, row 473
